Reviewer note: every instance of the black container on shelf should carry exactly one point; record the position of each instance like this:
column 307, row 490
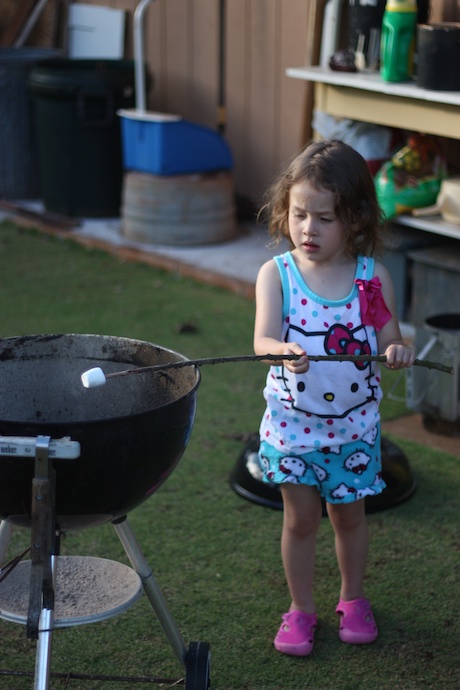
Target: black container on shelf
column 439, row 56
column 362, row 18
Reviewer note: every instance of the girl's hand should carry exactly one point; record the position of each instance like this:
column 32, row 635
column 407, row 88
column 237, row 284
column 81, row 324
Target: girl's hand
column 296, row 366
column 399, row 356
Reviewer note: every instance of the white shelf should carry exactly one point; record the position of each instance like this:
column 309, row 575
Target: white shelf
column 366, row 97
column 431, row 224
column 371, row 81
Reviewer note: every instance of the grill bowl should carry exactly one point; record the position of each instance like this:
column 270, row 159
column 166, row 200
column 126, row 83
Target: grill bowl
column 132, row 431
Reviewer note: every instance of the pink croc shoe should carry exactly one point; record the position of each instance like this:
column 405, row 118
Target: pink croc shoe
column 357, row 624
column 296, row 634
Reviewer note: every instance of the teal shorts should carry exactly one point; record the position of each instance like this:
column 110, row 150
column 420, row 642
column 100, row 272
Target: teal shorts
column 342, row 474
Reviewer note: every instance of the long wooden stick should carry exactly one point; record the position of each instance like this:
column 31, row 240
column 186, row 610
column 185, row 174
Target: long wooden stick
column 275, row 358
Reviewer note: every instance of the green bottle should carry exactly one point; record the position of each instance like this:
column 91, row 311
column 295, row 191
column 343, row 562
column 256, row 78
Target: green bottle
column 397, row 40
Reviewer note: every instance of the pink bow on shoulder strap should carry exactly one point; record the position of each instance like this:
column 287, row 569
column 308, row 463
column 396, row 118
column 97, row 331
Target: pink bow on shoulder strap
column 374, row 311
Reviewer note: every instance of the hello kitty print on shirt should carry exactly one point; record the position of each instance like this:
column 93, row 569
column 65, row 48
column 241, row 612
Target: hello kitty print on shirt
column 334, row 403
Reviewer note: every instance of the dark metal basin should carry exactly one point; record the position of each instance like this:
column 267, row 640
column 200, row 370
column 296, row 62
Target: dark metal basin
column 132, row 431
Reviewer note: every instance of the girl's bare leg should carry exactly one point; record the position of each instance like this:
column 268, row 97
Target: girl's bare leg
column 302, row 517
column 351, row 544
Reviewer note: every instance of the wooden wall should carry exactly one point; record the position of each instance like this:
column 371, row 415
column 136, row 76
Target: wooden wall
column 265, row 109
column 445, row 11
column 267, row 114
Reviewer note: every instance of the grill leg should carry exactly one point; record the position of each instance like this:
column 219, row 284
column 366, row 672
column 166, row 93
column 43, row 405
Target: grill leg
column 6, row 530
column 151, row 588
column 45, row 639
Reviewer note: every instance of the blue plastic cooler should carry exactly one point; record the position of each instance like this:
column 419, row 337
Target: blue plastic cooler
column 163, row 144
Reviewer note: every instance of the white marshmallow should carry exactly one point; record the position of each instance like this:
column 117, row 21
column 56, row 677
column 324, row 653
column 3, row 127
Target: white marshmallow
column 93, row 378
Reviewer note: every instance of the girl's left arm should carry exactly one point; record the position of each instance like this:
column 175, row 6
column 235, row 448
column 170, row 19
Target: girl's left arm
column 389, row 338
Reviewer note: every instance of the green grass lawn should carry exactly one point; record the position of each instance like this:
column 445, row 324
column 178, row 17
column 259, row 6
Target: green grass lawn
column 215, row 555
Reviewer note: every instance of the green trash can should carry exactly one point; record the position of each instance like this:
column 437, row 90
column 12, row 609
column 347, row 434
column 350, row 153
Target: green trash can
column 78, row 133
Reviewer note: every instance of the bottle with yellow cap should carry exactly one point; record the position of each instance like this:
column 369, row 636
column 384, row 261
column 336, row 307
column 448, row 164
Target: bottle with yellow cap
column 397, row 40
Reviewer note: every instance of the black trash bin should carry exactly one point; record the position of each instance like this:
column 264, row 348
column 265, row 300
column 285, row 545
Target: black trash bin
column 19, row 178
column 78, row 133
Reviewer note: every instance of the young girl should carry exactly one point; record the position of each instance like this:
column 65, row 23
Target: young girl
column 320, row 434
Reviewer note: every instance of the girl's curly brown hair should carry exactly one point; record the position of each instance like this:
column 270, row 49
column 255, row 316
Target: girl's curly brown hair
column 337, row 167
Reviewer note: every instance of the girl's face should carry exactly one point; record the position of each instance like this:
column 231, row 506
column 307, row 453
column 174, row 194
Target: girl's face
column 315, row 230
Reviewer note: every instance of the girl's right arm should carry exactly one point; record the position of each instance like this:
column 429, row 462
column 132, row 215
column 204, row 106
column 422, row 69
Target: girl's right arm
column 268, row 323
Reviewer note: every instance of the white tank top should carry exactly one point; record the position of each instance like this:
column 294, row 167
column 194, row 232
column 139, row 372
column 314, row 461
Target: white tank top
column 334, row 402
